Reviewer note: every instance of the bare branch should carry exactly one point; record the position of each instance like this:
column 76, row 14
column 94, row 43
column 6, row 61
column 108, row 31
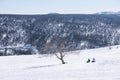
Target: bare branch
column 63, row 55
column 57, row 56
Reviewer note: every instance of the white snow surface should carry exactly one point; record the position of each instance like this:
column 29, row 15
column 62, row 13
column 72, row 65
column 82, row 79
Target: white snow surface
column 47, row 67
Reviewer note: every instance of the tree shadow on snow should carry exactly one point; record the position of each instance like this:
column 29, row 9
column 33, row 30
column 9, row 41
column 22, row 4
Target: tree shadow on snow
column 42, row 66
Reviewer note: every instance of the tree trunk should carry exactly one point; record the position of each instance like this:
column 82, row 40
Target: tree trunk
column 63, row 62
column 60, row 57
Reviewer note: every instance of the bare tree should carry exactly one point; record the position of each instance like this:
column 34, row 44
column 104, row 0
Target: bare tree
column 56, row 46
column 60, row 55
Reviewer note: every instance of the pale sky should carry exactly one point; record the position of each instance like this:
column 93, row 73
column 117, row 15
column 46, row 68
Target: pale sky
column 57, row 6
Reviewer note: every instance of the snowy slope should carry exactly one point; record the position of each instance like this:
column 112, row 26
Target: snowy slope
column 47, row 67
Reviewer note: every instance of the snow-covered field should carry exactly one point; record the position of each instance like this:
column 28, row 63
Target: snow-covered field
column 43, row 67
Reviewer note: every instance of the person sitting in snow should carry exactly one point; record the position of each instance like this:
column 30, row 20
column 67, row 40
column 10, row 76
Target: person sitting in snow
column 88, row 60
column 93, row 60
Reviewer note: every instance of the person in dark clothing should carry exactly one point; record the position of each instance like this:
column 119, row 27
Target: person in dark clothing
column 93, row 60
column 88, row 60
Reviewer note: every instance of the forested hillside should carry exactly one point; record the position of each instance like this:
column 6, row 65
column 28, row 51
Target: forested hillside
column 78, row 31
